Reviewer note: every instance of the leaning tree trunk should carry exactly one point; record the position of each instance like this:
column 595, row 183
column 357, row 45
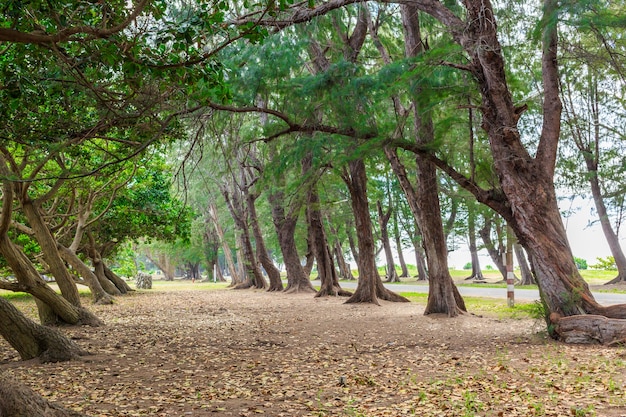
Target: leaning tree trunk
column 32, row 340
column 228, row 255
column 17, row 400
column 370, row 287
column 525, row 271
column 100, row 296
column 116, row 279
column 495, row 253
column 53, row 308
column 383, row 222
column 276, row 283
column 344, row 267
column 403, row 267
column 609, row 234
column 48, row 245
column 285, row 225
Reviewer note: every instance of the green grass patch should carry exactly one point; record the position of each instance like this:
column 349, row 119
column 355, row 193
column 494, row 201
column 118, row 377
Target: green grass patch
column 492, row 307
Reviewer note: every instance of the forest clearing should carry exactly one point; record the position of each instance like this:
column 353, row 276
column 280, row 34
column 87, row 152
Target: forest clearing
column 202, row 350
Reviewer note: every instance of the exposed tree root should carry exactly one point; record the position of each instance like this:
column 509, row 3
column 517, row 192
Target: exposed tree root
column 299, row 288
column 617, row 280
column 275, row 288
column 387, row 295
column 17, row 400
column 335, row 291
column 88, row 318
column 104, row 300
column 589, row 329
column 243, row 285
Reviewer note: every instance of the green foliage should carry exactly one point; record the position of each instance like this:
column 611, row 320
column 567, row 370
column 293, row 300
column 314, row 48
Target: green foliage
column 580, row 263
column 467, row 266
column 606, row 264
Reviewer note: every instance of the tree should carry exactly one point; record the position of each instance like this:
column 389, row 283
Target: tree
column 583, row 104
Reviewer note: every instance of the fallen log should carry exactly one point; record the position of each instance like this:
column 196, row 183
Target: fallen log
column 589, row 329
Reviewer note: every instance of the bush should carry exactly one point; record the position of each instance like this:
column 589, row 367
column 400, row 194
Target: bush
column 468, row 266
column 580, row 263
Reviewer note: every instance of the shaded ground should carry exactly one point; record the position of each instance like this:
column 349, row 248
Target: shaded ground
column 245, row 353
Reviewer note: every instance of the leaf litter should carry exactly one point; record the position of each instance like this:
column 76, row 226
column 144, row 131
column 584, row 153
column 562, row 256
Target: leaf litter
column 250, row 353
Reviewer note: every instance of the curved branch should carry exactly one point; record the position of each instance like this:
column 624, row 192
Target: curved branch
column 292, row 126
column 492, row 198
column 70, row 33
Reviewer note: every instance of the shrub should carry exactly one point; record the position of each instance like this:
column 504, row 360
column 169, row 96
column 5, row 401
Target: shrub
column 580, row 263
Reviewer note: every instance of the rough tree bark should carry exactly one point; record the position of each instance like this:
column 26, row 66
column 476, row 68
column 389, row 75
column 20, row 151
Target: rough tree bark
column 285, row 225
column 116, row 279
column 370, row 287
column 319, row 242
column 234, row 201
column 100, row 296
column 17, row 400
column 276, row 283
column 32, row 340
column 53, row 309
column 534, row 217
column 48, row 246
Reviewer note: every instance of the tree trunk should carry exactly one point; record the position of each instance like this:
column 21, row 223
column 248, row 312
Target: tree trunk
column 117, row 280
column 16, row 400
column 383, row 222
column 344, row 267
column 587, row 139
column 32, row 340
column 48, row 246
column 609, row 234
column 276, row 283
column 370, row 287
column 403, row 267
column 471, row 231
column 527, row 275
column 589, row 329
column 534, row 217
column 236, row 206
column 285, row 225
column 100, row 296
column 495, row 253
column 319, row 243
column 53, row 309
column 225, row 248
column 443, row 295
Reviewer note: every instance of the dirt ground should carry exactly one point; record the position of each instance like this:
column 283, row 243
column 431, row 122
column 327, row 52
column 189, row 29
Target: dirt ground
column 247, row 353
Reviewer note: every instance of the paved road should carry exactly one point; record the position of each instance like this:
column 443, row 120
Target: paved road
column 603, row 298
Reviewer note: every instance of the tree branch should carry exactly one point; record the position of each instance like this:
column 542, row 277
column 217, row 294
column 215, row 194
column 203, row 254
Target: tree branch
column 68, row 34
